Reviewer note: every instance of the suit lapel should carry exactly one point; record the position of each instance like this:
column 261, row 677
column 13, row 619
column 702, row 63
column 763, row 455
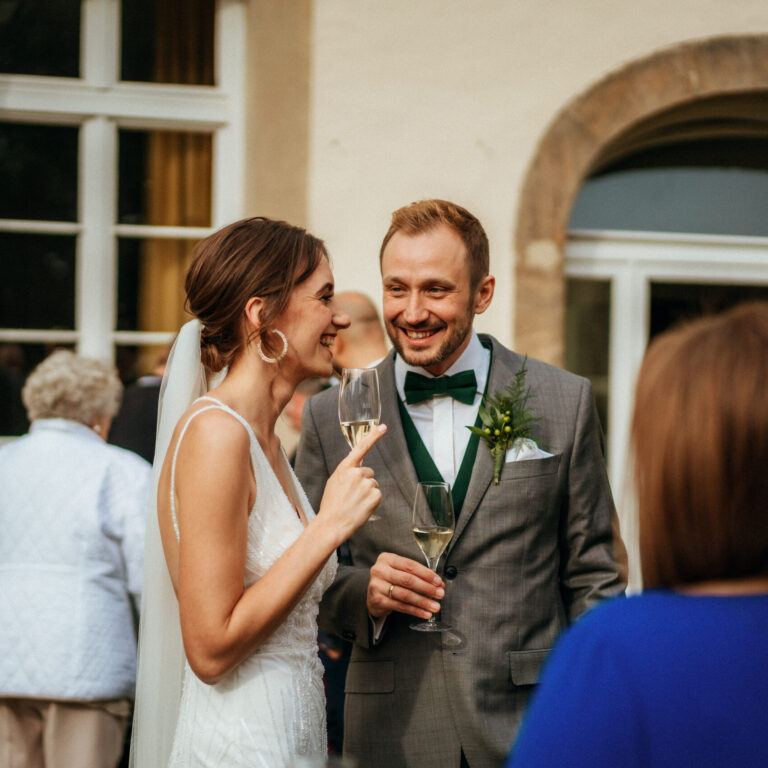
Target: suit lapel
column 393, row 449
column 504, row 366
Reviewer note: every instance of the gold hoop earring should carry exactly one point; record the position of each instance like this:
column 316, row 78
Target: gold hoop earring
column 280, row 356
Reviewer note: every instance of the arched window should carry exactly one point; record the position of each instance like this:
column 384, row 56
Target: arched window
column 658, row 237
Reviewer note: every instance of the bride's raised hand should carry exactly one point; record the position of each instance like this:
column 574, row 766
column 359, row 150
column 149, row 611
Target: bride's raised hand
column 352, row 493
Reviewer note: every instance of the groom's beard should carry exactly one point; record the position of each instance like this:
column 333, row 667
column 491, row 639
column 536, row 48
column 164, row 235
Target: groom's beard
column 455, row 337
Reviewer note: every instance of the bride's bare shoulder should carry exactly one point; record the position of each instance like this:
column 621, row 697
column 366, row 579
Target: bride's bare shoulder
column 210, row 432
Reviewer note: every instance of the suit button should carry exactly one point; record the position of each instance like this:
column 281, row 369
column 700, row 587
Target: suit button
column 348, row 634
column 450, row 572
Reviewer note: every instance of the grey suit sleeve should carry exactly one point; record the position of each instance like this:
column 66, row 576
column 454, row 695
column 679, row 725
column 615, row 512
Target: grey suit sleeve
column 311, row 467
column 343, row 610
column 594, row 558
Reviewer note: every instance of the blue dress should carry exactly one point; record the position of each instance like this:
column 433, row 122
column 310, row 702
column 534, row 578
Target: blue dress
column 659, row 679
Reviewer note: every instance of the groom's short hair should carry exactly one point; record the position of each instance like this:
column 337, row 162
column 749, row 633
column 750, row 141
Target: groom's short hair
column 424, row 215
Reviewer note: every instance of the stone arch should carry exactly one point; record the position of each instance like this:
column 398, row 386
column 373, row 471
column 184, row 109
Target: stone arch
column 715, row 86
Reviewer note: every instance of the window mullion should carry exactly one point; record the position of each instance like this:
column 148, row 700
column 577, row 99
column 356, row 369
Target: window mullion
column 96, row 253
column 229, row 141
column 628, row 338
column 100, row 38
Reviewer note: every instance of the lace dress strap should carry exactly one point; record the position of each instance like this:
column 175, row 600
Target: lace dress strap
column 218, row 405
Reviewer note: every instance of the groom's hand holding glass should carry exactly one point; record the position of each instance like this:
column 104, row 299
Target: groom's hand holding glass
column 400, row 584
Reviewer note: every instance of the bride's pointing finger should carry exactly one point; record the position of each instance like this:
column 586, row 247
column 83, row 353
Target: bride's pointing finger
column 358, row 453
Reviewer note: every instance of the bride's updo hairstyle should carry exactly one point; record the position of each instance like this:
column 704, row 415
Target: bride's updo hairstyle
column 252, row 257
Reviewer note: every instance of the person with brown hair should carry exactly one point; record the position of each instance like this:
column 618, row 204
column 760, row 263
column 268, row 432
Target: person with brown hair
column 235, row 551
column 529, row 553
column 678, row 675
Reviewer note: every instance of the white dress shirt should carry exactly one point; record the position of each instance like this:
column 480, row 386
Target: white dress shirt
column 442, row 421
column 72, row 521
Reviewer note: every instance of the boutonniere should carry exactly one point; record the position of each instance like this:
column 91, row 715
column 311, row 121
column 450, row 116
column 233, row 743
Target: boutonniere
column 506, row 418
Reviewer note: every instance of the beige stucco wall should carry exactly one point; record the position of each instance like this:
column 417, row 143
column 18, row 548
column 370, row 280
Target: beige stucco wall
column 449, row 98
column 277, row 107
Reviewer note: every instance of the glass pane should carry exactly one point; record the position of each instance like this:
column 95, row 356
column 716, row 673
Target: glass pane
column 150, row 284
column 164, row 178
column 38, row 172
column 168, row 41
column 37, row 281
column 587, row 324
column 40, row 37
column 716, row 187
column 674, row 303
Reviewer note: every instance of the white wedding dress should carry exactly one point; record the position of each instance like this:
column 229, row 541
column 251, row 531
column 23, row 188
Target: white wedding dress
column 271, row 707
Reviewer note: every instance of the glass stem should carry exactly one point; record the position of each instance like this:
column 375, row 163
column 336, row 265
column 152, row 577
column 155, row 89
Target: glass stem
column 435, row 617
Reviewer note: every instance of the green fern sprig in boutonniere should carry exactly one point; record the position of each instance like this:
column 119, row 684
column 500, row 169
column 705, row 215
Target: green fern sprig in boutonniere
column 505, row 418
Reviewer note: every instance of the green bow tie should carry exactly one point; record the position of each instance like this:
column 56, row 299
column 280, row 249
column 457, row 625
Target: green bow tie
column 461, row 386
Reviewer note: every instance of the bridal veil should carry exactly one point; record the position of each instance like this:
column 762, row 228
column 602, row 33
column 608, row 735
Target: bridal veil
column 161, row 652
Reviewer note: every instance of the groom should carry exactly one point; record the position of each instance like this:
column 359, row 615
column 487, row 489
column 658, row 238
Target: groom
column 529, row 554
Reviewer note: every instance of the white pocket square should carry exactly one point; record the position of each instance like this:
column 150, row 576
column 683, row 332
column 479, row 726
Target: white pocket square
column 525, row 449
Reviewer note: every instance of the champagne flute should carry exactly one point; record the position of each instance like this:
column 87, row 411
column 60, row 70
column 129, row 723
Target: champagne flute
column 432, row 527
column 359, row 405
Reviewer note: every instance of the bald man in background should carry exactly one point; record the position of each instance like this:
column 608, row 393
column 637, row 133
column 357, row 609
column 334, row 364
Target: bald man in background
column 364, row 343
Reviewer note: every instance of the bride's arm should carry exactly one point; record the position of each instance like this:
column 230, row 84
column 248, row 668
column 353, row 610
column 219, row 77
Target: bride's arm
column 222, row 623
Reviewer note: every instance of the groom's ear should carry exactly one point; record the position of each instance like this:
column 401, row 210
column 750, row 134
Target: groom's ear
column 253, row 309
column 484, row 294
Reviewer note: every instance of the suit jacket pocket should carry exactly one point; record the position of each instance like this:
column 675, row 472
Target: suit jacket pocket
column 515, row 470
column 524, row 666
column 370, row 677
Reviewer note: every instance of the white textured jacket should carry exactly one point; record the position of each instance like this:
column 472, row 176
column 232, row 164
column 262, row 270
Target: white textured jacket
column 72, row 521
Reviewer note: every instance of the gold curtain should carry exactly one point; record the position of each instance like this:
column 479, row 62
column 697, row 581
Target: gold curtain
column 179, row 166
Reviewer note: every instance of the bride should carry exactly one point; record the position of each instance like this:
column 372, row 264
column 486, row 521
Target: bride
column 236, row 560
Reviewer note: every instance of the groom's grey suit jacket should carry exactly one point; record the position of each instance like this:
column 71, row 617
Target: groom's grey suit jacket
column 528, row 556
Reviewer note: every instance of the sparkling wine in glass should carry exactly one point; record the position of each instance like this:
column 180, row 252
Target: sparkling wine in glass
column 359, row 405
column 432, row 527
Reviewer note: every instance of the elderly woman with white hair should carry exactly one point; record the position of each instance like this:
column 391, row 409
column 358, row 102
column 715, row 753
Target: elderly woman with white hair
column 72, row 522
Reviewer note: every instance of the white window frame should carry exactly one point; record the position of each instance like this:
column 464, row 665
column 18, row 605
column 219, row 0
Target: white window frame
column 101, row 105
column 630, row 262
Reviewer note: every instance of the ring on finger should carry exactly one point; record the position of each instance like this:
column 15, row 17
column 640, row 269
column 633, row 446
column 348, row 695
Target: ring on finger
column 391, row 587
